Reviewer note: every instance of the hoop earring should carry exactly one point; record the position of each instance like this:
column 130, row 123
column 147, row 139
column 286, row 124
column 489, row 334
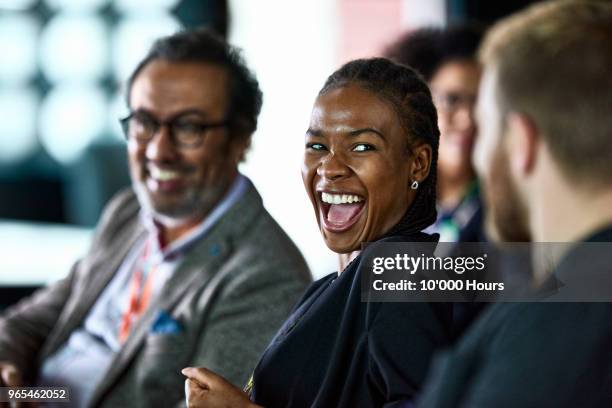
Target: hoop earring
column 414, row 185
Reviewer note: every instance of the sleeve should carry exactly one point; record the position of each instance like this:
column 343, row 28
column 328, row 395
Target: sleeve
column 402, row 342
column 25, row 326
column 249, row 311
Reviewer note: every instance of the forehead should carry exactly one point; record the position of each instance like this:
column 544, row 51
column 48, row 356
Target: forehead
column 163, row 85
column 352, row 107
column 457, row 75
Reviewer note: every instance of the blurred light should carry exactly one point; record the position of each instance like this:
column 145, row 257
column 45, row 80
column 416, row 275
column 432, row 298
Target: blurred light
column 140, row 5
column 56, row 248
column 71, row 118
column 17, row 48
column 77, row 5
column 418, row 13
column 133, row 38
column 15, row 4
column 18, row 123
column 74, row 48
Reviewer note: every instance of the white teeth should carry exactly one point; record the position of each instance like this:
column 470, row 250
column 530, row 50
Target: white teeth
column 163, row 175
column 340, row 198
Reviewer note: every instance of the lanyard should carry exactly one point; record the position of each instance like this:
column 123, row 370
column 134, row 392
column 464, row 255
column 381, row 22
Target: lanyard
column 140, row 292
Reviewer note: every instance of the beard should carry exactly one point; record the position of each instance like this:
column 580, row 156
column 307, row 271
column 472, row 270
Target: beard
column 194, row 203
column 506, row 214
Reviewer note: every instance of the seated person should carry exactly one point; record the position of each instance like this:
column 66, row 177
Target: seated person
column 446, row 57
column 544, row 154
column 186, row 268
column 369, row 171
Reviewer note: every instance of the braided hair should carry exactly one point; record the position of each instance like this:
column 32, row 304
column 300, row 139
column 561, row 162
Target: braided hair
column 408, row 94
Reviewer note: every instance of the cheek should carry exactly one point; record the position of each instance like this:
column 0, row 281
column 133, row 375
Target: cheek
column 309, row 172
column 482, row 155
column 135, row 156
column 387, row 186
column 444, row 123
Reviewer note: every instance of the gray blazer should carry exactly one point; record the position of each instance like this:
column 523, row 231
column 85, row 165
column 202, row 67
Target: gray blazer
column 230, row 294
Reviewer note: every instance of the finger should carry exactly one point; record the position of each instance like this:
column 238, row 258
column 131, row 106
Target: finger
column 11, row 376
column 201, row 375
column 194, row 394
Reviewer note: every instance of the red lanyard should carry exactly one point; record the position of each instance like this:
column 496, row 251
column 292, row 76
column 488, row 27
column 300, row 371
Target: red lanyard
column 140, row 293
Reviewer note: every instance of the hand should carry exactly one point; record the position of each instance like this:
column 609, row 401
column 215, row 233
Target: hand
column 203, row 388
column 10, row 376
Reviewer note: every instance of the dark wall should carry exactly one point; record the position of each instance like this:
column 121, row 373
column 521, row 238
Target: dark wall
column 485, row 11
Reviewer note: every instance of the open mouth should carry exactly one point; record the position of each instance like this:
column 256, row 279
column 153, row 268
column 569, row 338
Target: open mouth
column 340, row 211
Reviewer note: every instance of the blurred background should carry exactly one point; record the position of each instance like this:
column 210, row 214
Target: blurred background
column 62, row 68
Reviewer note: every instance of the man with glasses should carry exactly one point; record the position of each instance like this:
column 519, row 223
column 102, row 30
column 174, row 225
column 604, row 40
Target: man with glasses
column 186, row 269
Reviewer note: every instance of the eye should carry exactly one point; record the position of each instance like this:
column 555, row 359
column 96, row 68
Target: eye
column 143, row 121
column 188, row 127
column 315, row 146
column 363, row 147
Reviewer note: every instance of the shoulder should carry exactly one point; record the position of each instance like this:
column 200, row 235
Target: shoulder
column 540, row 335
column 543, row 322
column 262, row 248
column 122, row 209
column 532, row 354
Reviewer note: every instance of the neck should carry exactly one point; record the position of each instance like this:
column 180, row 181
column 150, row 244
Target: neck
column 345, row 259
column 172, row 231
column 452, row 189
column 574, row 217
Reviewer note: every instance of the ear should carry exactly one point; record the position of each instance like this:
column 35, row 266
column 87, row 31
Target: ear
column 421, row 162
column 522, row 141
column 238, row 147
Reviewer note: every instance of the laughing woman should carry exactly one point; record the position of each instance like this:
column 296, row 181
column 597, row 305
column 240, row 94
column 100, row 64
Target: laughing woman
column 369, row 169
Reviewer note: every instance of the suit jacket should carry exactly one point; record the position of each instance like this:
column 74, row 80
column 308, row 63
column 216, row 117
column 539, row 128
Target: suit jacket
column 230, row 293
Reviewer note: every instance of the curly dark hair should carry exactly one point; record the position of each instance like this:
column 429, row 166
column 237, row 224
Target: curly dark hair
column 427, row 49
column 203, row 45
column 404, row 89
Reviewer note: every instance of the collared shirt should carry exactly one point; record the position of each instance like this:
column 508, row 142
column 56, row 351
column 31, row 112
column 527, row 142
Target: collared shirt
column 84, row 359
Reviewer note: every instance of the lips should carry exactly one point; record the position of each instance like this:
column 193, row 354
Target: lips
column 164, row 179
column 340, row 211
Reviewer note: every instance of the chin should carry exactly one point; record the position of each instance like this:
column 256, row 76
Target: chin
column 171, row 211
column 340, row 245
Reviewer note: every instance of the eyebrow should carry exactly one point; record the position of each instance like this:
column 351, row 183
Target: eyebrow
column 314, row 132
column 186, row 112
column 357, row 132
column 352, row 133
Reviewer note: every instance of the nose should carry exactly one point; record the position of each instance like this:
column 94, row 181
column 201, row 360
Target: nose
column 333, row 167
column 464, row 118
column 161, row 147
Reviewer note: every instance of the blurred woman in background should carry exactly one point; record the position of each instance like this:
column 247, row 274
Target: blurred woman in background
column 446, row 59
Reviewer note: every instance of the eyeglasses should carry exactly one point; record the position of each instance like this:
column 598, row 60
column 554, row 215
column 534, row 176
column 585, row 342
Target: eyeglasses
column 185, row 133
column 452, row 101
